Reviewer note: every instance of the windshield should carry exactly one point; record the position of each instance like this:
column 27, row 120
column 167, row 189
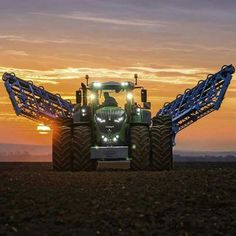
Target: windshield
column 109, row 98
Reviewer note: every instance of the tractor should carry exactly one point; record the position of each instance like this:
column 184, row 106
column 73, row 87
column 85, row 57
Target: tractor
column 112, row 128
column 112, row 121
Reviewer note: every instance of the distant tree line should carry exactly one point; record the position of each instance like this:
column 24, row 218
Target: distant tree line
column 16, row 153
column 23, row 156
column 206, row 158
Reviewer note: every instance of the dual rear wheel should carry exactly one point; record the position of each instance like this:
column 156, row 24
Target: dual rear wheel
column 71, row 149
column 162, row 144
column 151, row 149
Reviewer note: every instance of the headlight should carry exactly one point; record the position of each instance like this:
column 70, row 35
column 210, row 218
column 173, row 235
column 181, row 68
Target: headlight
column 110, row 139
column 120, row 119
column 100, row 120
column 138, row 110
column 92, row 96
column 83, row 110
column 130, row 96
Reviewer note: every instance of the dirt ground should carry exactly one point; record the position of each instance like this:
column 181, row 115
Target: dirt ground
column 194, row 199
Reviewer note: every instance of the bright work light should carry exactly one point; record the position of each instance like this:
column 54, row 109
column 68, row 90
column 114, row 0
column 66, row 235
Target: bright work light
column 124, row 84
column 92, row 96
column 97, row 84
column 130, row 96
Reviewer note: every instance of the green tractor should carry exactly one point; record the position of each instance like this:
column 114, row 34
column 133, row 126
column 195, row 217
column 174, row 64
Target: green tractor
column 110, row 125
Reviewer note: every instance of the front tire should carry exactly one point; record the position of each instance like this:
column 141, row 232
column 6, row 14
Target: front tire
column 139, row 147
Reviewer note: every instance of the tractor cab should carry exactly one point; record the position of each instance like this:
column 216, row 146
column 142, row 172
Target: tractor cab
column 111, row 107
column 111, row 94
column 98, row 95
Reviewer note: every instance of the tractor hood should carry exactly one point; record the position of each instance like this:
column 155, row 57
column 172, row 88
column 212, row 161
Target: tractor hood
column 109, row 122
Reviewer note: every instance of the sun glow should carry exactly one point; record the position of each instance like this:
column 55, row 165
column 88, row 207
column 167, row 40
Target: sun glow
column 43, row 129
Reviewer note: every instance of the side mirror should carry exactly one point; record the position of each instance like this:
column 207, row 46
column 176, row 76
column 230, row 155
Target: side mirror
column 84, row 89
column 147, row 105
column 143, row 95
column 78, row 97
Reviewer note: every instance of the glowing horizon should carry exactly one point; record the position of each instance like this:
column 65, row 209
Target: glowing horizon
column 170, row 46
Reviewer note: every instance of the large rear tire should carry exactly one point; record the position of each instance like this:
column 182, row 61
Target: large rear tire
column 82, row 141
column 162, row 144
column 139, row 147
column 62, row 148
column 162, row 120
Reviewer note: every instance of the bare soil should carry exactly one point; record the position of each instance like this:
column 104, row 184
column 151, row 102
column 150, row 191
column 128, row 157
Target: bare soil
column 194, row 199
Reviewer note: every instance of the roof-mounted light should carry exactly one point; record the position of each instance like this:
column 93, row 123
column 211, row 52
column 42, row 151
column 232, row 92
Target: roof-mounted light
column 97, row 84
column 124, row 84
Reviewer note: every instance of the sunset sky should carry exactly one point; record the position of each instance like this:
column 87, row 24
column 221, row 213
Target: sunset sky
column 171, row 44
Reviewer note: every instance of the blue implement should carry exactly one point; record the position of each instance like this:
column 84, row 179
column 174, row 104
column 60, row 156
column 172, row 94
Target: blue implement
column 199, row 101
column 34, row 102
column 37, row 104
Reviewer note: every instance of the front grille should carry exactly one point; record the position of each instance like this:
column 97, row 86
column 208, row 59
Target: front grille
column 108, row 117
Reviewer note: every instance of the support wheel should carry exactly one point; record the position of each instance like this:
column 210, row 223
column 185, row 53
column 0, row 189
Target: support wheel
column 82, row 141
column 140, row 147
column 62, row 148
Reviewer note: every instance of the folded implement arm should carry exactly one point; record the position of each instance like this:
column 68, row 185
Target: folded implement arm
column 199, row 101
column 34, row 102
